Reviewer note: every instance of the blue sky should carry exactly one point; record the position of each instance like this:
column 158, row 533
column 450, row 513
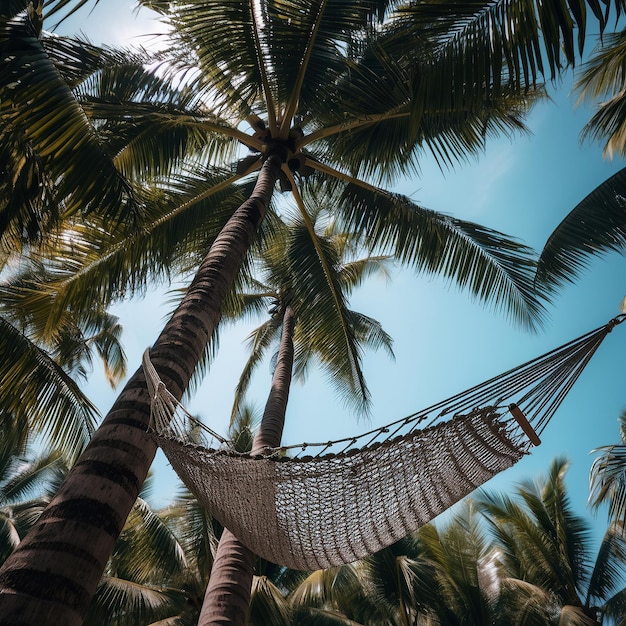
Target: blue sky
column 444, row 342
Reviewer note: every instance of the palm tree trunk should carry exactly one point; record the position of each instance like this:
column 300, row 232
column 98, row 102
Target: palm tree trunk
column 52, row 576
column 227, row 597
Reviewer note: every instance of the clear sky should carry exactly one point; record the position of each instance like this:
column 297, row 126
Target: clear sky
column 444, row 342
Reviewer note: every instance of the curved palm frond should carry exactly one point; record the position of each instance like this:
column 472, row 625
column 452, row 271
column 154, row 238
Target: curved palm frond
column 106, row 338
column 607, row 577
column 602, row 77
column 267, row 604
column 37, row 476
column 595, row 226
column 148, row 549
column 607, row 478
column 147, row 120
column 260, row 340
column 121, row 602
column 615, row 608
column 333, row 597
column 37, row 391
column 73, row 339
column 317, row 31
column 389, row 112
column 353, row 273
column 462, row 557
column 225, row 48
column 27, row 482
column 35, row 9
column 197, row 534
column 38, row 105
column 508, row 41
column 494, row 268
column 92, row 263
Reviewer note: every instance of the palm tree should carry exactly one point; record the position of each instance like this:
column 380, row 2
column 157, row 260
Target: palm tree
column 47, row 143
column 546, row 552
column 348, row 92
column 306, row 271
column 308, row 277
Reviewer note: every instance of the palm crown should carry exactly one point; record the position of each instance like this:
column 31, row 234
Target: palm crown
column 351, row 105
column 313, row 273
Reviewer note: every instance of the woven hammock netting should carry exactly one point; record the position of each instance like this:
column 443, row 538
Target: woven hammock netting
column 314, row 506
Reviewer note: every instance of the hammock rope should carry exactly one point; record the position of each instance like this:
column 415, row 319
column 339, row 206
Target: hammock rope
column 348, row 498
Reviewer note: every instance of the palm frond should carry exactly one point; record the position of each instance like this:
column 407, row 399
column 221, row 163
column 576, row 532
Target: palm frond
column 316, row 31
column 602, row 77
column 607, row 577
column 615, row 608
column 225, row 48
column 92, row 263
column 595, row 226
column 493, row 267
column 322, row 313
column 37, row 390
column 267, row 604
column 148, row 551
column 260, row 340
column 507, row 41
column 354, row 273
column 30, row 477
column 9, row 537
column 608, row 480
column 120, row 602
column 195, row 531
column 40, row 107
column 326, row 587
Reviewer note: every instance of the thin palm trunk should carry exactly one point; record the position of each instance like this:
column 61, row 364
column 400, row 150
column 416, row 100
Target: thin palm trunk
column 227, row 597
column 51, row 578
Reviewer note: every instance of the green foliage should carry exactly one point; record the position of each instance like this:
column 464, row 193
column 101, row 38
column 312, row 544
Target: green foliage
column 309, row 266
column 27, row 482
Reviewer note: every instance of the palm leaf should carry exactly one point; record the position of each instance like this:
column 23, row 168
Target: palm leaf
column 595, row 226
column 121, row 602
column 267, row 604
column 259, row 340
column 37, row 390
column 615, row 608
column 148, row 550
column 607, row 577
column 491, row 266
column 29, row 478
column 387, row 112
column 510, row 38
column 602, row 77
column 46, row 115
column 608, row 480
column 91, row 262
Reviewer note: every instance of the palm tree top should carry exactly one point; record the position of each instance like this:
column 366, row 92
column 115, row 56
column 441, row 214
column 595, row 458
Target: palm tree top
column 311, row 267
column 350, row 95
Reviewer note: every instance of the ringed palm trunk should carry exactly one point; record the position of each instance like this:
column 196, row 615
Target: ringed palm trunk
column 52, row 576
column 227, row 597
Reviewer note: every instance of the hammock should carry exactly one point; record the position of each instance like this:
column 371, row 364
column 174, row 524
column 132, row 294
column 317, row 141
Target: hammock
column 352, row 497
